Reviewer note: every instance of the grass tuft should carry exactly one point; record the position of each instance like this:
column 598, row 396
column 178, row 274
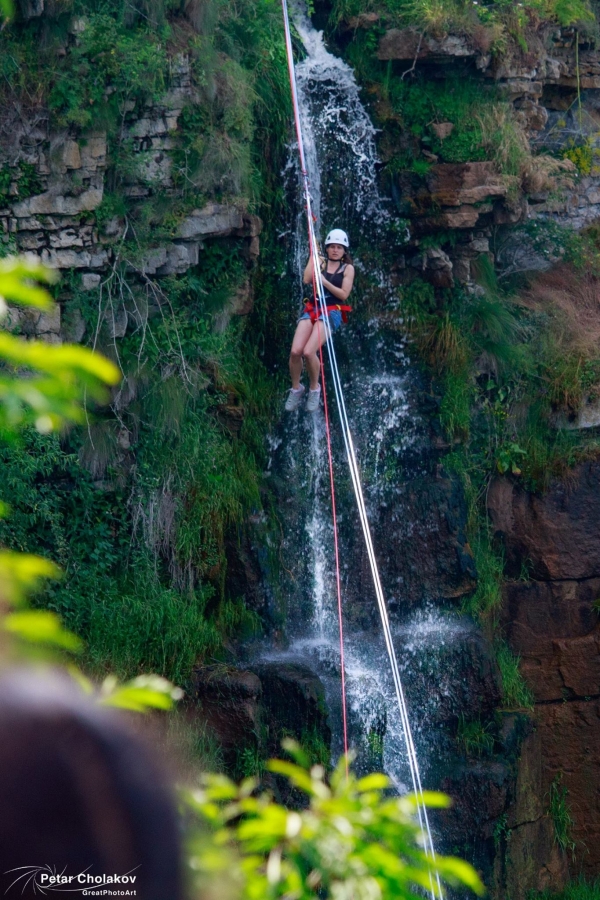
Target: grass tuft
column 515, row 692
column 474, row 737
column 560, row 814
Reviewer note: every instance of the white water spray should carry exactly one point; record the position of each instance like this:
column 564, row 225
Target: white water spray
column 435, row 888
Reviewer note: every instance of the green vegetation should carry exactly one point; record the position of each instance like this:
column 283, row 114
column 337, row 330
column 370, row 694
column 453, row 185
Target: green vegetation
column 249, row 763
column 502, row 832
column 511, row 366
column 315, row 747
column 145, row 566
column 144, row 505
column 515, row 693
column 192, row 744
column 352, row 840
column 45, row 388
column 93, row 64
column 580, row 889
column 25, row 178
column 474, row 737
column 490, row 25
column 375, row 742
column 453, row 119
column 560, row 814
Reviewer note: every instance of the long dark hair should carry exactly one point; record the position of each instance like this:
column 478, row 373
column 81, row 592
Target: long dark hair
column 80, row 792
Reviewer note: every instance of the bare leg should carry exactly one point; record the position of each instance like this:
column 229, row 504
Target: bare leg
column 316, row 340
column 302, row 335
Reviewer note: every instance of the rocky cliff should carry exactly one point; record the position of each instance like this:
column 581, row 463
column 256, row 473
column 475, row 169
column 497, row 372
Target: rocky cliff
column 58, row 221
column 76, row 196
column 459, row 212
column 551, row 619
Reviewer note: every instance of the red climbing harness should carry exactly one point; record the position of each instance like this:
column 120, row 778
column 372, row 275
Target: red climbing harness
column 315, row 313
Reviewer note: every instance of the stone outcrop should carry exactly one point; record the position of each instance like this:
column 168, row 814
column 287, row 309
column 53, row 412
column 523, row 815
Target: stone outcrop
column 58, row 221
column 229, row 703
column 254, row 710
column 409, row 45
column 471, row 199
column 556, row 535
column 467, row 198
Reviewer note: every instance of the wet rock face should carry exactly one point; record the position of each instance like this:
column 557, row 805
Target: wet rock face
column 570, row 741
column 528, row 857
column 459, row 679
column 228, row 701
column 479, row 792
column 293, row 703
column 552, row 623
column 555, row 629
column 422, row 545
column 253, row 710
column 556, row 535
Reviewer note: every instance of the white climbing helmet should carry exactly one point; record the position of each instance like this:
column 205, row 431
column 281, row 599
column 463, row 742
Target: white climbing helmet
column 337, row 236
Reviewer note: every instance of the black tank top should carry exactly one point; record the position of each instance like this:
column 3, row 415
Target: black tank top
column 336, row 280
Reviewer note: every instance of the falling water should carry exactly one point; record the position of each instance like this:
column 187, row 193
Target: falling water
column 390, row 436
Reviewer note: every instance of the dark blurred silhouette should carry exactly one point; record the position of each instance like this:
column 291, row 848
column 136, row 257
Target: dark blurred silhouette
column 79, row 793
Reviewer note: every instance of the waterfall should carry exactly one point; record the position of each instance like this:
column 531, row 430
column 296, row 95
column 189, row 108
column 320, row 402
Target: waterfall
column 390, row 435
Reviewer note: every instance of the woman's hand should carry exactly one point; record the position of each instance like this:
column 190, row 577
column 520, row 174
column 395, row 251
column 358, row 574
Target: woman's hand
column 308, row 272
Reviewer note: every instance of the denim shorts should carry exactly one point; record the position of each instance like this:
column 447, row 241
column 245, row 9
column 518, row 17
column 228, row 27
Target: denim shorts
column 334, row 317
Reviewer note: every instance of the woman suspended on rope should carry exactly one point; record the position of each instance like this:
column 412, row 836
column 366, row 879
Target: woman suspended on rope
column 337, row 278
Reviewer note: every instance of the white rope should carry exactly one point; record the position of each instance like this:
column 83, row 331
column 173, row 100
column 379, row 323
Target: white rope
column 435, row 886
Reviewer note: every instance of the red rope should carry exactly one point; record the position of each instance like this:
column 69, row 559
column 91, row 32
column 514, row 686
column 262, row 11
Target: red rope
column 338, row 582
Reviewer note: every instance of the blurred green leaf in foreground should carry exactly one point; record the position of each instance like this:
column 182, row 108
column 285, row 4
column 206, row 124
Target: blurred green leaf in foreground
column 354, row 841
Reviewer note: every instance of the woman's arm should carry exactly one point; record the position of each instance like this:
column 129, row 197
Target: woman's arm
column 344, row 292
column 308, row 272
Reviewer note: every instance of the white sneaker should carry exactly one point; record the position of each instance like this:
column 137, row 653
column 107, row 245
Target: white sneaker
column 312, row 404
column 294, row 398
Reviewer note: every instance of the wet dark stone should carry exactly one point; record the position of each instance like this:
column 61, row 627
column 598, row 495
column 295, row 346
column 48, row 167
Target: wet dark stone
column 421, row 548
column 461, row 678
column 293, row 704
column 256, row 709
column 228, row 701
column 554, row 534
column 479, row 792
